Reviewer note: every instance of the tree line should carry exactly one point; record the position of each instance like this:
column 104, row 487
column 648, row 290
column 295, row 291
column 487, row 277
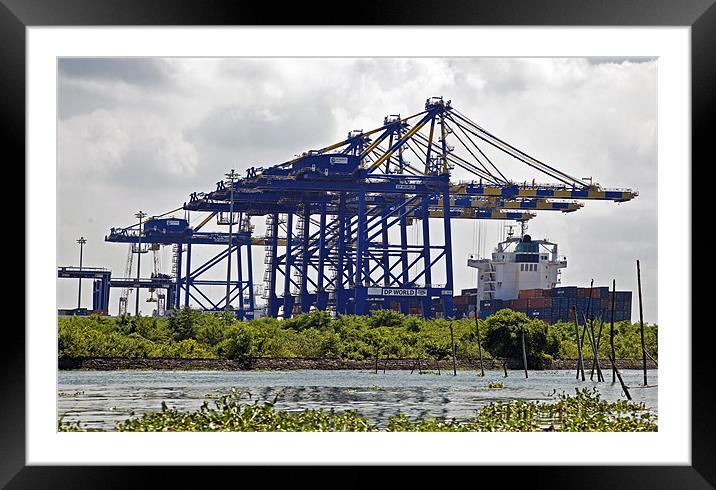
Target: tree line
column 190, row 333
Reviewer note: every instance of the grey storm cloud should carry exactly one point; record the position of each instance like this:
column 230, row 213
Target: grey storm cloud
column 236, row 128
column 139, row 71
column 142, row 133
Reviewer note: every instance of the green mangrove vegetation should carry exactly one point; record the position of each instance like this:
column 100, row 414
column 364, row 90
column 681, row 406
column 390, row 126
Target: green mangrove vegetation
column 191, row 333
column 584, row 411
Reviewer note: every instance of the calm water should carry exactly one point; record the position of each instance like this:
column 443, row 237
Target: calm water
column 98, row 399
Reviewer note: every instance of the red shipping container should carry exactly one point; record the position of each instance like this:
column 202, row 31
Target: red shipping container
column 535, row 303
column 519, row 303
column 461, row 300
column 530, row 293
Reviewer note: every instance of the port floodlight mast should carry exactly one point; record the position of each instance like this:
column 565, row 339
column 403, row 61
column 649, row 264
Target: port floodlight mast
column 82, row 240
column 140, row 215
column 337, row 217
column 230, row 179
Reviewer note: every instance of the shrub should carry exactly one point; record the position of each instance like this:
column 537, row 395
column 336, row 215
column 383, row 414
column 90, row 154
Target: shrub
column 317, row 319
column 238, row 346
column 385, row 318
column 347, row 337
column 183, row 322
column 190, row 349
column 503, row 337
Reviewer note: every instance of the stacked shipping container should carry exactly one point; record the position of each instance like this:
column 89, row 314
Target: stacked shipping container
column 549, row 305
column 554, row 305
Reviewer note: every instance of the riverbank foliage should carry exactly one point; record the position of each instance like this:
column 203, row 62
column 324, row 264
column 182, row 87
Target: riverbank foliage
column 583, row 412
column 191, row 333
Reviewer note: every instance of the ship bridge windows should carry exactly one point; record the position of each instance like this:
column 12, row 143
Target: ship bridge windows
column 527, row 257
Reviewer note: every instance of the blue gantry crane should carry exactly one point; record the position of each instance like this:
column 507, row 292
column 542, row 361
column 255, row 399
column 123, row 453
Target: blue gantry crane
column 348, row 225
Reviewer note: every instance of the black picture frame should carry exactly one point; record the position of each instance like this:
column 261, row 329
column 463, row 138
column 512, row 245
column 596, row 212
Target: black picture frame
column 16, row 15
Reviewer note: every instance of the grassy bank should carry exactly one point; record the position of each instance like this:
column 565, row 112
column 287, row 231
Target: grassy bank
column 583, row 412
column 191, row 334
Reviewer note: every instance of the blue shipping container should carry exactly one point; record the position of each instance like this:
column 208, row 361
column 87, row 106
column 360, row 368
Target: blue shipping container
column 567, row 291
column 495, row 304
column 485, row 313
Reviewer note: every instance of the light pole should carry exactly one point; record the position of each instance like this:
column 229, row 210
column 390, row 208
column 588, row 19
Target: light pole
column 230, row 177
column 82, row 242
column 140, row 215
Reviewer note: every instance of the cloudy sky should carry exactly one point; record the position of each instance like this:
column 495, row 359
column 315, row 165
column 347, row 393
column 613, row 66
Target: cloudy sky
column 143, row 133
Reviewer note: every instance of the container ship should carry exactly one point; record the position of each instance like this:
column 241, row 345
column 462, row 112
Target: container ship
column 524, row 275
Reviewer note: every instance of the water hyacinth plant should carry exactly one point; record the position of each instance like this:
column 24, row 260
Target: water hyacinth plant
column 585, row 411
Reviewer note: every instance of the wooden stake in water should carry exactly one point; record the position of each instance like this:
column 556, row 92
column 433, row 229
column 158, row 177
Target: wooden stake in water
column 611, row 330
column 479, row 345
column 580, row 360
column 584, row 330
column 452, row 341
column 587, row 324
column 599, row 341
column 524, row 353
column 376, row 358
column 593, row 344
column 621, row 381
column 641, row 320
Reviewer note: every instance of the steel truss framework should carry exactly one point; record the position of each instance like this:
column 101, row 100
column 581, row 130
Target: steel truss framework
column 102, row 281
column 192, row 284
column 338, row 218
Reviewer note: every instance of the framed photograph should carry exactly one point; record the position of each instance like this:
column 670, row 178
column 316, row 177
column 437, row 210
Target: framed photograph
column 457, row 228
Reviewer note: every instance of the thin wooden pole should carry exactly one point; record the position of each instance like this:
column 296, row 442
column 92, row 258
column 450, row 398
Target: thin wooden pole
column 452, row 341
column 524, row 353
column 584, row 330
column 589, row 326
column 652, row 359
column 611, row 330
column 587, row 323
column 621, row 381
column 592, row 342
column 479, row 345
column 376, row 358
column 595, row 361
column 504, row 366
column 580, row 361
column 641, row 320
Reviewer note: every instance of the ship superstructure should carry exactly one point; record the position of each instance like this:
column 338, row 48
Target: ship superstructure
column 516, row 264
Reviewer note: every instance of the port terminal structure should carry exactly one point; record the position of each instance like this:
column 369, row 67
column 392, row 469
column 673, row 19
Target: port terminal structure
column 102, row 281
column 338, row 219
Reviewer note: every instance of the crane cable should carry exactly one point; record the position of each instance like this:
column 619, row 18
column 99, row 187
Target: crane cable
column 504, row 179
column 514, row 152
